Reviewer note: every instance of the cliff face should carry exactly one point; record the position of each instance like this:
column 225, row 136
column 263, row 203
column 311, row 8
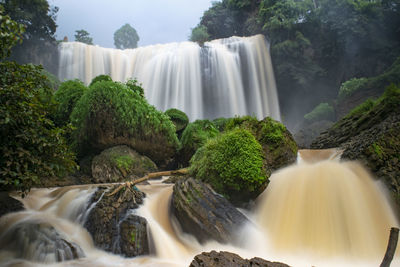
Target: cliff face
column 371, row 133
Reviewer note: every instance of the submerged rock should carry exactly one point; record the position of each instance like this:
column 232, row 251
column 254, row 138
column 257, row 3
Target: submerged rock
column 40, row 242
column 203, row 213
column 116, row 164
column 223, row 258
column 112, row 224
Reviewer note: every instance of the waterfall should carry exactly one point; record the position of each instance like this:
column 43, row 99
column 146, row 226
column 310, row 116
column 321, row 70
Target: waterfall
column 224, row 78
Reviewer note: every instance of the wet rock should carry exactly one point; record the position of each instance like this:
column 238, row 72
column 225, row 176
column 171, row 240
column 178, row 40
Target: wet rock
column 118, row 163
column 309, row 132
column 133, row 234
column 111, row 215
column 203, row 213
column 9, row 204
column 223, row 258
column 39, row 242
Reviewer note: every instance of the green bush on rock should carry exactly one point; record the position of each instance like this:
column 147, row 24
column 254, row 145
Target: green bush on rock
column 232, row 163
column 323, row 111
column 110, row 114
column 102, row 77
column 67, row 95
column 194, row 136
column 179, row 118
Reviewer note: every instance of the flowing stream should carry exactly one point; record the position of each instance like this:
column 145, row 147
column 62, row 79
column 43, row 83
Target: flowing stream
column 223, row 78
column 319, row 212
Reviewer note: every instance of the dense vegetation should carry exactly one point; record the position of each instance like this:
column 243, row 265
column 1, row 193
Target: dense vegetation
column 83, row 36
column 315, row 45
column 232, row 163
column 178, row 117
column 126, row 37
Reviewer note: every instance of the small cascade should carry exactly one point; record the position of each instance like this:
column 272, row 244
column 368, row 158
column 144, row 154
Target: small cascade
column 224, row 78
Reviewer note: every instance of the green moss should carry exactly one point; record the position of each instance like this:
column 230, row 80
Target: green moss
column 232, row 163
column 67, row 95
column 194, row 136
column 112, row 106
column 99, row 78
column 179, row 118
column 377, row 149
column 133, row 237
column 323, row 111
column 362, row 108
column 134, row 85
column 123, row 162
column 220, row 123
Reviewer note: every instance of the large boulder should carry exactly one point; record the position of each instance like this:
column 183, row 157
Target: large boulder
column 118, row 163
column 203, row 213
column 179, row 118
column 371, row 133
column 112, row 225
column 223, row 258
column 111, row 114
column 232, row 163
column 9, row 204
column 277, row 142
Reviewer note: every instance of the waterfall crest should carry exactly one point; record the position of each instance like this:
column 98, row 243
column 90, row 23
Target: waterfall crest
column 224, row 78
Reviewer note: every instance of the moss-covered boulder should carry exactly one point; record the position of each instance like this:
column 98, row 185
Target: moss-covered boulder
column 67, row 95
column 193, row 137
column 232, row 163
column 111, row 114
column 371, row 133
column 118, row 163
column 179, row 118
column 277, row 142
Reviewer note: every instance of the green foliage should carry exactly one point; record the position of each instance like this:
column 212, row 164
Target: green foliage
column 362, row 108
column 220, row 123
column 123, row 162
column 124, row 111
column 179, row 118
column 83, row 37
column 232, row 163
column 199, row 34
column 349, row 87
column 101, row 77
column 194, row 136
column 32, row 148
column 126, row 37
column 66, row 97
column 323, row 111
column 10, row 34
column 135, row 86
column 54, row 82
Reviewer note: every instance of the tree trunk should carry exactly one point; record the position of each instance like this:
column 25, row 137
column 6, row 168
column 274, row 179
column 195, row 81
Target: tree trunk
column 391, row 248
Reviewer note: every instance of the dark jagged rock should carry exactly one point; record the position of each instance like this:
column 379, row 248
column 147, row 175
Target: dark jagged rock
column 9, row 204
column 133, row 234
column 371, row 135
column 203, row 213
column 110, row 218
column 223, row 258
column 117, row 163
column 39, row 242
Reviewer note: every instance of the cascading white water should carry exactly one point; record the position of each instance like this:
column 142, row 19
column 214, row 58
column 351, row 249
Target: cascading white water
column 224, row 78
column 315, row 213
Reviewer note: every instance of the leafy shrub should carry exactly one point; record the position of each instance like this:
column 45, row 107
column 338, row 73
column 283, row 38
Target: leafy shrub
column 194, row 136
column 323, row 111
column 32, row 148
column 220, row 123
column 66, row 96
column 110, row 113
column 349, row 87
column 232, row 163
column 135, row 86
column 102, row 77
column 11, row 33
column 179, row 118
column 362, row 108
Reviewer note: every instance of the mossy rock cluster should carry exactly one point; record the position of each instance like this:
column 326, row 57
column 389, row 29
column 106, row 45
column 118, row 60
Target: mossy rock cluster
column 67, row 95
column 111, row 114
column 371, row 133
column 193, row 137
column 179, row 118
column 277, row 142
column 119, row 163
column 232, row 163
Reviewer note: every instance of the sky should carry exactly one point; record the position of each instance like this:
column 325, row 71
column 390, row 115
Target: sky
column 156, row 21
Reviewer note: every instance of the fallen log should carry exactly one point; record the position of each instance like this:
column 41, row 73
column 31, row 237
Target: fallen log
column 391, row 248
column 151, row 175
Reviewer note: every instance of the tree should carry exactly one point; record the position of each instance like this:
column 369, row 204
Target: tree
column 126, row 37
column 11, row 34
column 83, row 37
column 199, row 34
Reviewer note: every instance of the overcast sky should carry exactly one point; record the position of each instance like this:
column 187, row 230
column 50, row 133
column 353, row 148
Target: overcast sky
column 156, row 21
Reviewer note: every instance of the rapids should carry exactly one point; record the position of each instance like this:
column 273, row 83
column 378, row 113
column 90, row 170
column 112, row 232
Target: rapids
column 315, row 213
column 223, row 78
